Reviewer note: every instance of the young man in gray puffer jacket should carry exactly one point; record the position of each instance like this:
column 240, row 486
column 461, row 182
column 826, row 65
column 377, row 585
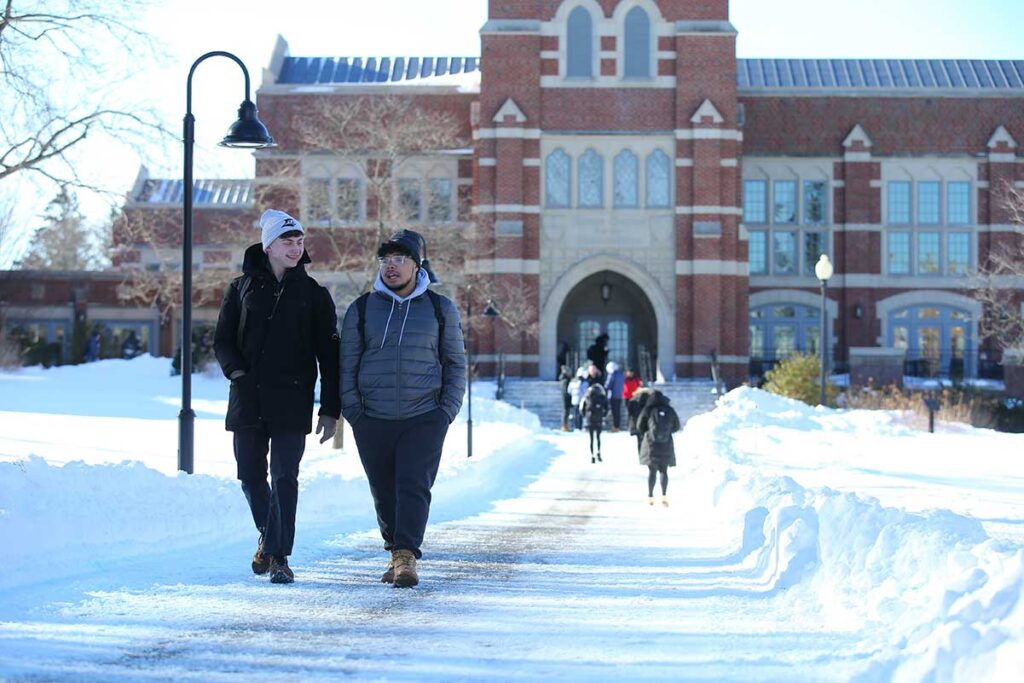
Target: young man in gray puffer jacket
column 401, row 386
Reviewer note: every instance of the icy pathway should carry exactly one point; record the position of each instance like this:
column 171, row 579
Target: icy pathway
column 576, row 579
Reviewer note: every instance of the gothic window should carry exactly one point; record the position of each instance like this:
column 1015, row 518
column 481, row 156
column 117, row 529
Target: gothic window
column 656, row 169
column 579, row 53
column 637, row 44
column 625, row 169
column 556, row 179
column 591, row 179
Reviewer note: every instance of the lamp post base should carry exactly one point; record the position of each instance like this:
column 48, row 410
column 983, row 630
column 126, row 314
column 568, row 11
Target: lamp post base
column 186, row 432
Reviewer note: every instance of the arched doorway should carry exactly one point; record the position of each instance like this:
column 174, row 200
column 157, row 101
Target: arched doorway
column 609, row 303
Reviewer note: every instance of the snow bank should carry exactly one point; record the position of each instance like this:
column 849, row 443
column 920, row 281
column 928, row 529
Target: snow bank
column 948, row 596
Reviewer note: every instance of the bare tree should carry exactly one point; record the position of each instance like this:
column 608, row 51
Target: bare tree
column 997, row 284
column 381, row 137
column 43, row 42
column 64, row 241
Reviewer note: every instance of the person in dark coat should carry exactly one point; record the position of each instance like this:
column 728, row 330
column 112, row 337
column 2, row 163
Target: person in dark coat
column 403, row 377
column 615, row 385
column 635, row 406
column 657, row 423
column 594, row 407
column 92, row 348
column 130, row 346
column 597, row 353
column 276, row 326
column 564, row 379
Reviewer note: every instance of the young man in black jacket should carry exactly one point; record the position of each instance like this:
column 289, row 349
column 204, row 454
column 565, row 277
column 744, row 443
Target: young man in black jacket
column 403, row 376
column 276, row 325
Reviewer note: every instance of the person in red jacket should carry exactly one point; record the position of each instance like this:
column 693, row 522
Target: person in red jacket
column 632, row 384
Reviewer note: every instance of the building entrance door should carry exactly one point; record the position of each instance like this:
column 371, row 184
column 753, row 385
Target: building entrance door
column 618, row 329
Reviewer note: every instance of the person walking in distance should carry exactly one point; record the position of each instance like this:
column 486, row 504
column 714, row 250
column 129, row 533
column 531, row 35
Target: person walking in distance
column 564, row 380
column 657, row 423
column 594, row 407
column 615, row 384
column 403, row 376
column 597, row 353
column 276, row 326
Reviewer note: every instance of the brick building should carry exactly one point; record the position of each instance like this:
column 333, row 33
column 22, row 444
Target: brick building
column 630, row 175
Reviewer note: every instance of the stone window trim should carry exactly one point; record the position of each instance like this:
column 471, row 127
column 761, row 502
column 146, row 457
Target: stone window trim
column 951, row 241
column 950, row 203
column 654, row 178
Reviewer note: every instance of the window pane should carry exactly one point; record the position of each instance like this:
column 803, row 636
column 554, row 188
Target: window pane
column 815, row 201
column 784, row 201
column 580, row 44
column 591, row 175
column 811, row 337
column 758, row 252
column 757, row 341
column 625, row 170
column 899, row 253
column 440, row 208
column 928, row 253
column 348, row 208
column 785, row 340
column 638, row 44
column 814, row 247
column 657, row 167
column 556, row 179
column 784, row 252
column 409, row 198
column 319, row 200
column 928, row 203
column 899, row 202
column 958, row 251
column 900, row 336
column 754, row 200
column 959, row 203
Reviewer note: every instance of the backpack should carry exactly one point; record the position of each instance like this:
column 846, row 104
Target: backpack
column 435, row 299
column 661, row 424
column 597, row 402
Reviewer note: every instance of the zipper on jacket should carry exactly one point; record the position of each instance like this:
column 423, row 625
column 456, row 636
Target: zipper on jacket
column 398, row 368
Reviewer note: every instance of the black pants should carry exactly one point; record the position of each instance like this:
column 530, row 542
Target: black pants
column 652, row 473
column 401, row 458
column 616, row 412
column 272, row 505
column 595, row 431
column 566, row 409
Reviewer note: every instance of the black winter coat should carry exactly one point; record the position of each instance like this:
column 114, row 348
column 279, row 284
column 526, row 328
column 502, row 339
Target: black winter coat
column 651, row 452
column 635, row 406
column 290, row 328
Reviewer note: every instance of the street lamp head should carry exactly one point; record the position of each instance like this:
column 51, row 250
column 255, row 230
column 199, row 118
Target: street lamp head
column 823, row 268
column 491, row 311
column 248, row 131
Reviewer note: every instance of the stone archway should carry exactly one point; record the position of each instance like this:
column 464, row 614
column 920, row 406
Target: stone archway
column 640, row 283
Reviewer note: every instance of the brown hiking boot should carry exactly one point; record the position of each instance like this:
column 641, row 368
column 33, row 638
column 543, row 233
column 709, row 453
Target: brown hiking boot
column 389, row 575
column 405, row 568
column 260, row 560
column 280, row 572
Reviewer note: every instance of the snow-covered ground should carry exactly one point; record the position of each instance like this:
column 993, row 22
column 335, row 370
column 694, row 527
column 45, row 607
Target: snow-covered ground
column 801, row 544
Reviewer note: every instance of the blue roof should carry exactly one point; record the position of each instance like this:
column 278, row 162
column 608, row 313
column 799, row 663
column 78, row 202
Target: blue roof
column 330, row 70
column 215, row 192
column 752, row 74
column 879, row 74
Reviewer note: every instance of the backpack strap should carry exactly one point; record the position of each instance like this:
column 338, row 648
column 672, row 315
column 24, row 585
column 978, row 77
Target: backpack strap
column 244, row 286
column 435, row 300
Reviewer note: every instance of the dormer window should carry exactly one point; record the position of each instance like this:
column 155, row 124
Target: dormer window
column 579, row 53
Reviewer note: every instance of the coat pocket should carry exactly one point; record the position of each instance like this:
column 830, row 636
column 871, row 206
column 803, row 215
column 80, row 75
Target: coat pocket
column 243, row 403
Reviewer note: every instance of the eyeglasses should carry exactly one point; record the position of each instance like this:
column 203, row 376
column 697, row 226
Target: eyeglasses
column 392, row 260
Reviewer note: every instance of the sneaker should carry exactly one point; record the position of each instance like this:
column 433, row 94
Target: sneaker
column 389, row 574
column 599, row 458
column 565, row 428
column 664, row 501
column 592, row 460
column 405, row 568
column 260, row 560
column 615, row 430
column 650, row 500
column 280, row 572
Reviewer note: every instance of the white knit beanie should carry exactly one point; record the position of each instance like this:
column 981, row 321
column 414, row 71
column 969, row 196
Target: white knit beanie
column 276, row 223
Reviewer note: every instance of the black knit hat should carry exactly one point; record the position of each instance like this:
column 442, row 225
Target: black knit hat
column 406, row 242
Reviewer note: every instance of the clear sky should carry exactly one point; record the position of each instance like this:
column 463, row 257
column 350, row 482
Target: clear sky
column 185, row 29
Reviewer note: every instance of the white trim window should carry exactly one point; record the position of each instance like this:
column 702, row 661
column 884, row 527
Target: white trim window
column 557, row 180
column 590, row 174
column 790, row 238
column 579, row 44
column 626, row 180
column 926, row 231
column 426, row 200
column 636, row 30
column 334, row 200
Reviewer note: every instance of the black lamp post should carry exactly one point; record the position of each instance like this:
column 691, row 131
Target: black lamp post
column 823, row 271
column 247, row 132
column 490, row 312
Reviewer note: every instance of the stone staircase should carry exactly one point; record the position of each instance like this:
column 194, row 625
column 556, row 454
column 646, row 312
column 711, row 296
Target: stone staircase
column 544, row 398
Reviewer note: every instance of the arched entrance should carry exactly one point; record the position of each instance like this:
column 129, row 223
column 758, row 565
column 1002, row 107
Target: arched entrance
column 609, row 303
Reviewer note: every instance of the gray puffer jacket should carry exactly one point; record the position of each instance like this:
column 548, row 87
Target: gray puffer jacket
column 394, row 372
